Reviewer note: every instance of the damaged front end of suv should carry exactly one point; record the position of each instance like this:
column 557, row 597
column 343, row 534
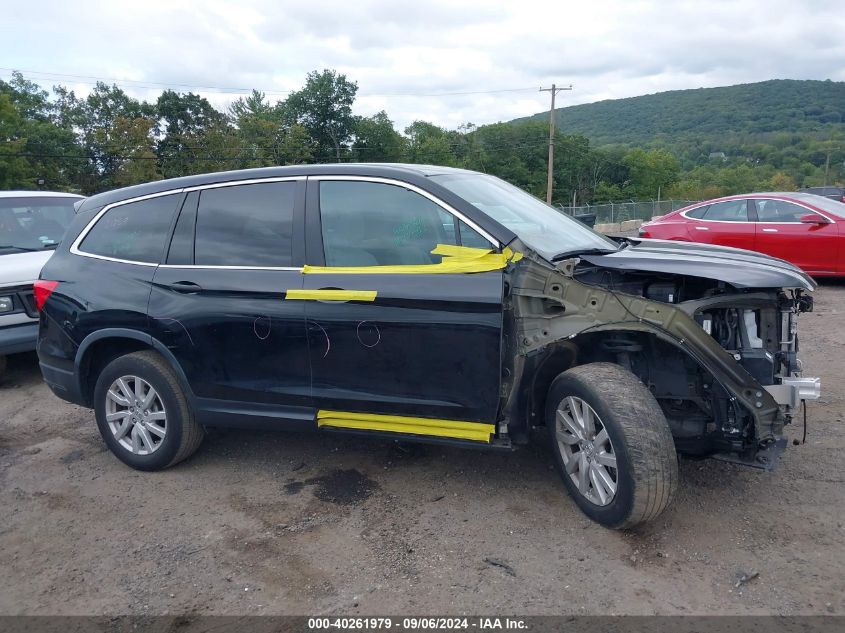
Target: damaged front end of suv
column 710, row 331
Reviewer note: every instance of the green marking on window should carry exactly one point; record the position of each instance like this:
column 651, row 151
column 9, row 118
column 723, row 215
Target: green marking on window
column 413, row 229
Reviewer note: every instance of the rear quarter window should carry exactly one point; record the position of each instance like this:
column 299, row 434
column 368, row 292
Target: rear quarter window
column 698, row 212
column 134, row 232
column 728, row 211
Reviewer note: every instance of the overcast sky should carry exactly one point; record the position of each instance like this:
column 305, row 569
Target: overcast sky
column 605, row 49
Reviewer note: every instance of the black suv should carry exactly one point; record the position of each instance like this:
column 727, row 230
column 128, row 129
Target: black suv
column 834, row 193
column 418, row 303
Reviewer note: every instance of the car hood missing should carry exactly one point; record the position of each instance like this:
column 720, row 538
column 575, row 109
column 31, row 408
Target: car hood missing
column 738, row 267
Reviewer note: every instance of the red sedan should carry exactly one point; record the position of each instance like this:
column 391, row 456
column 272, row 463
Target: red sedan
column 801, row 228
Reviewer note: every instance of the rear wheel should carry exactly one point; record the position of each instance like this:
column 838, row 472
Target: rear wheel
column 143, row 414
column 612, row 444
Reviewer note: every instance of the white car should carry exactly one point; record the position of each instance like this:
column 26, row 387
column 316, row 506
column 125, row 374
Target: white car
column 32, row 223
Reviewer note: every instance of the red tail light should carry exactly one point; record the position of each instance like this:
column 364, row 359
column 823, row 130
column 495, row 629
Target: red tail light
column 42, row 289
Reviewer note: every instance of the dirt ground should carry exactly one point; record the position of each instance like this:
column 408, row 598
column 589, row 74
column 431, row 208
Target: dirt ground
column 261, row 523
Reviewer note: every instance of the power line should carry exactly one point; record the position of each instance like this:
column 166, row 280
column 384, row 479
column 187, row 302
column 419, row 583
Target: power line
column 468, row 149
column 245, row 157
column 145, row 84
column 139, row 83
column 449, row 94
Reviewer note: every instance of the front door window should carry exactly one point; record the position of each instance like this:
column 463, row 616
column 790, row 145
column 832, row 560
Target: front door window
column 377, row 224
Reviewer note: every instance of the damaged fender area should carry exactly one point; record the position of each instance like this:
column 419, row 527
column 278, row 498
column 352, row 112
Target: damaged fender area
column 711, row 400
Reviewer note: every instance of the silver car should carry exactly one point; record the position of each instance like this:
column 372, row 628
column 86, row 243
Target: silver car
column 32, row 223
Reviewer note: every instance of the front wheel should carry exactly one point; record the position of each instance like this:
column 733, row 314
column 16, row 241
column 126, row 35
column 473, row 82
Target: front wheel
column 612, row 444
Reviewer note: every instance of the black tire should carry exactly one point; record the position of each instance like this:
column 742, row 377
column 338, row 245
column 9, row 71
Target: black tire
column 2, row 365
column 647, row 465
column 183, row 435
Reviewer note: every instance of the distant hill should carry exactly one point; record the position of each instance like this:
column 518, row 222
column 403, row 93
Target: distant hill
column 758, row 109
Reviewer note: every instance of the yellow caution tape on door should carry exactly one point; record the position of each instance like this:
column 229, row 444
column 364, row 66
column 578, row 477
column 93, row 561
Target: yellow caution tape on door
column 332, row 295
column 456, row 259
column 476, row 431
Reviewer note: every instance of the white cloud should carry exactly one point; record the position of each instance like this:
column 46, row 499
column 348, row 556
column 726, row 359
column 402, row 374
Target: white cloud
column 606, row 49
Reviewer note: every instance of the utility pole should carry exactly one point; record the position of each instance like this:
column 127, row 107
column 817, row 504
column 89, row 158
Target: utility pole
column 554, row 90
column 827, row 162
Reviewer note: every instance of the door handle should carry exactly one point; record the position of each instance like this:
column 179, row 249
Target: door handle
column 701, row 228
column 185, row 287
column 770, row 230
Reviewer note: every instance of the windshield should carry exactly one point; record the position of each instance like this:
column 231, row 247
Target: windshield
column 549, row 232
column 33, row 223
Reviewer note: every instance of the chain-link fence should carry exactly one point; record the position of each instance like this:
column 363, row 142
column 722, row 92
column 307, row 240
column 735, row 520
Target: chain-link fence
column 630, row 210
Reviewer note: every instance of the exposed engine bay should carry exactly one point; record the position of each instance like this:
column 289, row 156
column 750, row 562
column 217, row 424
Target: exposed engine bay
column 721, row 359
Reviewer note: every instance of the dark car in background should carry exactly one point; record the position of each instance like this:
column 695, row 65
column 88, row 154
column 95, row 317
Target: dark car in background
column 834, row 193
column 419, row 303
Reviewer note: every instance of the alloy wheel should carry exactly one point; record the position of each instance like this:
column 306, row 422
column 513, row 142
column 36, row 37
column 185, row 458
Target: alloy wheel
column 586, row 449
column 135, row 415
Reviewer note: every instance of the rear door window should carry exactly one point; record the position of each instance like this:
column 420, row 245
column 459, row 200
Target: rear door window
column 728, row 211
column 133, row 232
column 246, row 225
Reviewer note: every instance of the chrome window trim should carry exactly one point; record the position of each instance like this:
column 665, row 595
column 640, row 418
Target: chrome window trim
column 194, row 266
column 406, row 185
column 710, row 204
column 758, row 221
column 251, row 181
column 75, row 250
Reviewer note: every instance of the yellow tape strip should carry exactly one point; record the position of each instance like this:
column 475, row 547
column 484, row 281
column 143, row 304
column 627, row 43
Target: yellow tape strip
column 456, row 259
column 476, row 431
column 332, row 295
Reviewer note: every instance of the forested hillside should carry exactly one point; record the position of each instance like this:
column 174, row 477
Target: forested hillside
column 716, row 114
column 688, row 144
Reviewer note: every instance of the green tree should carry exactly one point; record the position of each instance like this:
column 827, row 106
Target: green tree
column 50, row 150
column 253, row 105
column 267, row 135
column 219, row 148
column 324, row 107
column 607, row 192
column 184, row 119
column 15, row 170
column 516, row 153
column 104, row 145
column 132, row 139
column 376, row 140
column 651, row 172
column 428, row 143
column 781, row 182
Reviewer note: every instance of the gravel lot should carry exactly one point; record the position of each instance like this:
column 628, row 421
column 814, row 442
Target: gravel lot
column 261, row 523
